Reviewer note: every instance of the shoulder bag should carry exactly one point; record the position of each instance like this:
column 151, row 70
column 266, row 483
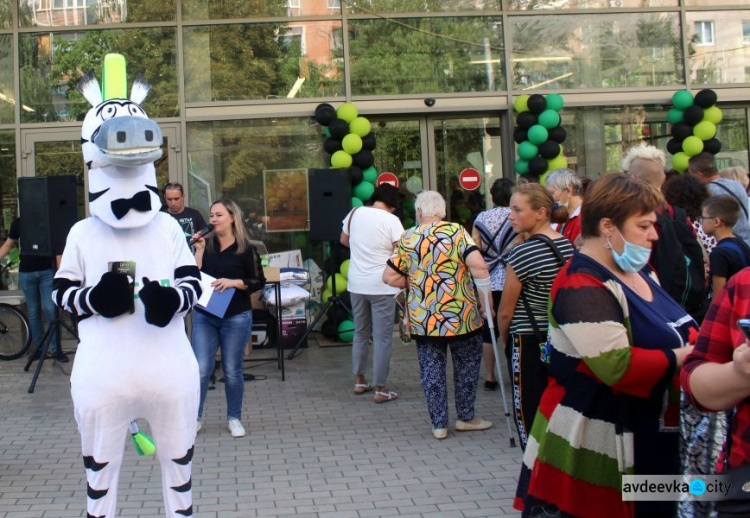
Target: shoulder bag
column 738, row 500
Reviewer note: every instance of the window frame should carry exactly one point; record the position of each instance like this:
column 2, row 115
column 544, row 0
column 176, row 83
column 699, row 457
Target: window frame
column 702, row 32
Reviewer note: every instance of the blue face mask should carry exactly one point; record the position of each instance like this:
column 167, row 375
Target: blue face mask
column 633, row 257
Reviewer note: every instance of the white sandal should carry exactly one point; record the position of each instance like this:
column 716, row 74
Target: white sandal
column 388, row 395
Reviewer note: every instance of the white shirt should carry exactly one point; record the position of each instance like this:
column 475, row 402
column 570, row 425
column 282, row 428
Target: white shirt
column 371, row 237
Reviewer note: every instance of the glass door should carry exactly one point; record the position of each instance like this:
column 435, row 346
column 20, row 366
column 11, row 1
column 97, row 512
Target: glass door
column 47, row 152
column 433, row 152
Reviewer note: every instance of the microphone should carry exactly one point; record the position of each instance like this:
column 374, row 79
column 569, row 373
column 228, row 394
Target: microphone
column 205, row 230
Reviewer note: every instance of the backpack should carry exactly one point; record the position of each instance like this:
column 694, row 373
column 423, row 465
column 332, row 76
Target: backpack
column 678, row 261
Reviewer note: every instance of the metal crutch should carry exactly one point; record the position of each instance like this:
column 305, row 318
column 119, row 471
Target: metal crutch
column 483, row 287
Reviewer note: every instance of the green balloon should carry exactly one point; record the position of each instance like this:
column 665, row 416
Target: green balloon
column 713, row 115
column 682, row 99
column 527, row 150
column 521, row 103
column 538, row 134
column 549, row 119
column 363, row 190
column 352, row 143
column 360, row 126
column 559, row 162
column 555, row 102
column 346, row 331
column 675, row 115
column 692, row 145
column 522, row 166
column 344, row 269
column 680, row 161
column 347, row 112
column 705, row 130
column 356, row 202
column 407, row 222
column 341, row 159
column 543, row 178
column 340, row 283
column 300, row 241
column 370, row 175
column 326, row 295
column 327, row 132
column 408, row 206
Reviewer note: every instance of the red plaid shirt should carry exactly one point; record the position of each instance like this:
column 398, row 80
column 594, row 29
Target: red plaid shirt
column 716, row 342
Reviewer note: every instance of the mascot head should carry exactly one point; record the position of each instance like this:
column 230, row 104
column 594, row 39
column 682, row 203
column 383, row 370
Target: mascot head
column 120, row 144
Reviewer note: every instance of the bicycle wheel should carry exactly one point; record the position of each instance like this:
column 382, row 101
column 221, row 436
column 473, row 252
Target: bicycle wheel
column 15, row 336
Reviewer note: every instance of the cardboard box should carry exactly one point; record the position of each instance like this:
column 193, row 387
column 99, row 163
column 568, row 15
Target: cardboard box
column 293, row 325
column 289, row 259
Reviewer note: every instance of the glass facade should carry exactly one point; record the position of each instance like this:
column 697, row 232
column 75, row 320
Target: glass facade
column 237, row 84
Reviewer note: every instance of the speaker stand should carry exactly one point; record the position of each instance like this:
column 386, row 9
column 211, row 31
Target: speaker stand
column 333, row 300
column 40, row 353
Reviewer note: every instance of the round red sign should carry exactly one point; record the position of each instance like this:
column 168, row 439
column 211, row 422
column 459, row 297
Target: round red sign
column 387, row 178
column 469, row 179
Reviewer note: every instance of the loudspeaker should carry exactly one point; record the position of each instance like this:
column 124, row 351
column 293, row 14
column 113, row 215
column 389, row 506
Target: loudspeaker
column 330, row 201
column 48, row 210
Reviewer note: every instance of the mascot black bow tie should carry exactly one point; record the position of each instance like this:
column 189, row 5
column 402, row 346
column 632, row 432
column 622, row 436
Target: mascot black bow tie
column 140, row 202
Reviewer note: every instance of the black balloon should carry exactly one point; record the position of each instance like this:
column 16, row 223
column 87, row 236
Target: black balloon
column 674, row 146
column 519, row 135
column 346, row 298
column 558, row 134
column 706, row 98
column 693, row 115
column 339, row 129
column 525, row 120
column 330, row 330
column 712, row 146
column 325, row 114
column 328, row 266
column 356, row 175
column 537, row 104
column 368, row 142
column 337, row 313
column 681, row 131
column 537, row 166
column 363, row 159
column 340, row 253
column 549, row 150
column 331, row 145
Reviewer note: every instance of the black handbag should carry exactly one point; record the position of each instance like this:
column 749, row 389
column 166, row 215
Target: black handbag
column 737, row 502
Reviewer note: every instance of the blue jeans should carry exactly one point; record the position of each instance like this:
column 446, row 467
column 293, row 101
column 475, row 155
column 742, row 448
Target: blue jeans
column 231, row 335
column 37, row 289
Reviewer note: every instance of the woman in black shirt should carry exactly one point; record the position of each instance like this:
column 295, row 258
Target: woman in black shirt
column 234, row 262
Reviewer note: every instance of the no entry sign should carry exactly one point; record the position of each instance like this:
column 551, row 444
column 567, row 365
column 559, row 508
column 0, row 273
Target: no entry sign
column 389, row 178
column 469, row 179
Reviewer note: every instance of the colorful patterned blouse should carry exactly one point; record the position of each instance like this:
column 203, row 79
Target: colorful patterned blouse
column 442, row 297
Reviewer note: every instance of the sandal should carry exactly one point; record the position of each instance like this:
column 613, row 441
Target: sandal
column 361, row 388
column 385, row 396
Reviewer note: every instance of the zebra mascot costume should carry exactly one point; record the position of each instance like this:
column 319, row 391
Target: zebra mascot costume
column 129, row 276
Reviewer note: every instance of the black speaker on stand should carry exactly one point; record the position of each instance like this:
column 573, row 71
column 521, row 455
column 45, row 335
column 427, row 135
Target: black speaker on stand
column 330, row 193
column 48, row 210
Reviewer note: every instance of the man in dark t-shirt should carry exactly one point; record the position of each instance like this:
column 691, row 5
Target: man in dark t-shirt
column 35, row 277
column 189, row 219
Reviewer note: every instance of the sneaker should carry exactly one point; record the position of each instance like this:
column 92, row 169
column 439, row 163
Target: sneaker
column 440, row 433
column 236, row 428
column 490, row 385
column 198, row 426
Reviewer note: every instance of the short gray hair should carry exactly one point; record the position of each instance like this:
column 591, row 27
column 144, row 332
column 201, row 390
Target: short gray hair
column 564, row 178
column 431, row 203
column 650, row 153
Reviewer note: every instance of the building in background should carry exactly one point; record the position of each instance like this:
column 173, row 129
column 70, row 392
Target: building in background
column 236, row 84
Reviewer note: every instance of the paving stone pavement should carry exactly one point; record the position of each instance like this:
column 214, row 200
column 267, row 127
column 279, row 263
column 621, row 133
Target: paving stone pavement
column 314, row 449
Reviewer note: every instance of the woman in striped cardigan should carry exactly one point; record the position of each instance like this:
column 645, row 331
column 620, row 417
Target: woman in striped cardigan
column 616, row 342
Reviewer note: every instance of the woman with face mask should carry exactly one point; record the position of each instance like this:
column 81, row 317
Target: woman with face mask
column 616, row 342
